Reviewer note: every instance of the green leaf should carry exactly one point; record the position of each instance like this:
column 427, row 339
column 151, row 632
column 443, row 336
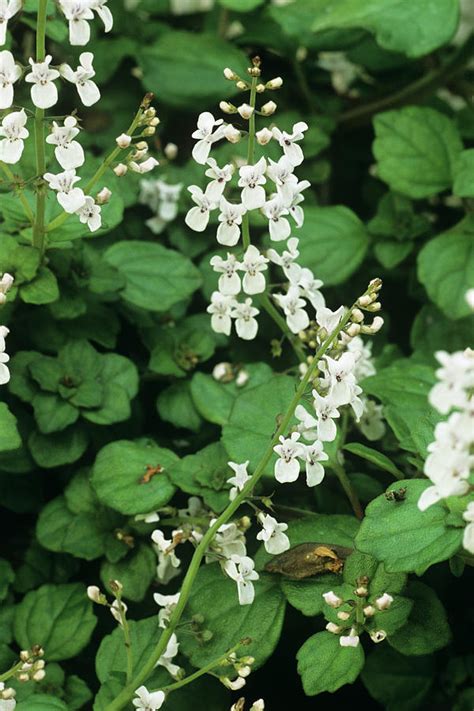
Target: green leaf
column 333, row 242
column 371, row 455
column 42, row 290
column 53, row 414
column 251, row 426
column 431, row 331
column 42, row 702
column 77, row 693
column 40, row 566
column 204, row 474
column 427, row 628
column 7, row 576
column 403, row 537
column 136, row 572
column 241, row 5
column 416, row 150
column 185, row 68
column 57, row 449
column 326, row 666
column 403, row 388
column 464, row 174
column 111, row 656
column 58, row 617
column 446, row 268
column 175, row 405
column 390, row 253
column 179, row 348
column 9, row 435
column 215, row 596
column 155, row 277
column 214, row 399
column 118, row 476
column 398, row 683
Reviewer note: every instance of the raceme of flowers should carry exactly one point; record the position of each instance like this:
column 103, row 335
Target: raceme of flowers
column 354, row 615
column 450, row 460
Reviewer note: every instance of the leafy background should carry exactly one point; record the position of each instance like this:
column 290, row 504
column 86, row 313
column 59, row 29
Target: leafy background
column 392, row 169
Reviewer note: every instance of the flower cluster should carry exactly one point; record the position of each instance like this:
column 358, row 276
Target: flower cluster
column 162, row 198
column 356, row 614
column 449, row 461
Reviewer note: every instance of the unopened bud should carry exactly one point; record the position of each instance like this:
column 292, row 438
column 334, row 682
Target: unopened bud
column 384, row 601
column 171, row 151
column 260, row 88
column 115, row 586
column 353, row 330
column 343, row 615
column 244, row 523
column 206, row 635
column 376, row 306
column 375, row 284
column 245, row 111
column 268, row 109
column 275, row 83
column 120, row 170
column 331, row 599
column 244, row 671
column 242, row 85
column 94, row 593
column 364, row 301
column 123, row 141
column 242, row 378
column 8, row 693
column 361, row 591
column 333, row 628
column 149, row 131
column 150, row 113
column 232, row 134
column 103, row 196
column 235, row 684
column 227, row 107
column 369, row 611
column 378, row 636
column 142, row 146
column 6, row 282
column 230, row 75
column 23, row 677
column 357, row 316
column 25, row 654
column 264, row 136
column 39, row 675
column 376, row 324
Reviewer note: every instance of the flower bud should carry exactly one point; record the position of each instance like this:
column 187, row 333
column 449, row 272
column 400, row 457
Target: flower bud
column 333, row 628
column 116, row 586
column 375, row 284
column 25, row 654
column 301, row 54
column 264, row 136
column 39, row 675
column 376, row 324
column 154, row 122
column 357, row 316
column 244, row 671
column 232, row 134
column 8, row 693
column 331, row 599
column 376, row 306
column 142, row 146
column 6, row 282
column 353, row 330
column 260, row 88
column 268, row 109
column 378, row 636
column 361, row 591
column 144, row 167
column 258, row 705
column 23, row 677
column 103, row 196
column 150, row 113
column 171, row 151
column 223, row 372
column 120, row 170
column 384, row 601
column 242, row 85
column 369, row 611
column 235, row 684
column 94, row 593
column 227, row 107
column 123, row 141
column 242, row 378
column 275, row 83
column 149, row 131
column 245, row 111
column 230, row 75
column 343, row 615
column 364, row 300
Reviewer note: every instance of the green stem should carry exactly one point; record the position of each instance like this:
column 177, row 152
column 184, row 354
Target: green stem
column 200, row 672
column 281, row 323
column 250, row 157
column 38, row 225
column 349, row 489
column 126, row 694
column 127, row 639
column 26, row 205
column 11, row 672
column 61, row 219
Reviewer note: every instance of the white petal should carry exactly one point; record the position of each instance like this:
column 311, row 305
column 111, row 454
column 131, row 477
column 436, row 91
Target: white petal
column 88, row 92
column 279, row 229
column 4, row 374
column 79, row 32
column 294, row 153
column 298, row 321
column 230, row 286
column 6, row 96
column 253, row 198
column 254, row 284
column 221, row 324
column 201, row 152
column 106, row 17
column 70, row 156
column 72, row 201
column 246, row 592
column 468, row 538
column 228, row 234
column 10, row 151
column 429, row 497
column 314, row 473
column 327, row 430
column 287, row 471
column 247, row 330
column 214, row 190
column 196, row 219
column 44, row 96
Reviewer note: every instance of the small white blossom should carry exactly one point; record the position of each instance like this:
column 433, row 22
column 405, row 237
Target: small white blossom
column 123, row 141
column 264, row 136
column 220, row 309
column 246, row 324
column 4, row 358
column 70, row 198
column 331, row 599
column 294, row 309
column 371, row 423
column 229, row 541
column 230, row 217
column 448, row 470
column 308, row 286
column 339, row 378
column 253, row 264
column 456, row 375
column 314, row 454
column 229, row 281
column 8, row 8
column 281, row 173
column 350, row 640
column 168, row 604
column 6, row 283
column 168, row 562
column 166, row 659
column 308, row 425
column 272, row 534
column 117, row 609
column 239, row 682
column 77, row 13
column 7, row 698
column 293, row 204
column 287, row 466
column 240, row 478
column 14, row 133
column 220, row 177
column 329, row 320
column 100, row 7
column 69, row 153
column 44, row 93
column 252, row 178
column 241, row 569
column 145, row 166
column 206, row 136
column 326, row 412
column 89, row 214
column 82, row 78
column 468, row 536
column 288, row 141
column 384, row 601
column 231, row 133
column 148, row 701
column 278, row 226
column 197, row 217
column 286, row 259
column 9, row 74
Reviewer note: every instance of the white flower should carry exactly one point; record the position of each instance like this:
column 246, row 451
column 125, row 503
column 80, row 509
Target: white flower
column 239, row 480
column 89, row 214
column 230, row 217
column 146, row 166
column 99, row 6
column 233, row 684
column 287, row 466
column 350, row 640
column 253, row 264
column 88, row 91
column 6, row 283
column 258, row 705
column 8, row 8
column 229, row 281
column 197, row 217
column 149, row 517
column 274, row 540
column 168, row 197
column 148, row 701
column 221, row 308
column 70, row 198
column 282, row 175
column 456, row 376
column 278, row 226
column 231, row 133
column 44, row 93
column 204, row 133
column 4, row 358
column 331, row 599
column 241, row 569
column 166, row 659
column 304, row 279
column 294, row 309
column 77, row 13
column 9, row 74
column 378, row 636
column 286, row 259
column 333, row 628
column 69, row 153
column 245, row 323
column 220, row 177
column 326, row 411
column 117, row 609
column 194, row 509
column 293, row 205
column 371, row 422
column 384, row 601
column 468, row 536
column 308, row 426
column 329, row 320
column 229, row 541
column 339, row 378
column 448, row 470
column 364, row 366
column 168, row 604
column 251, row 180
column 168, row 562
column 314, row 454
column 288, row 141
column 14, row 132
